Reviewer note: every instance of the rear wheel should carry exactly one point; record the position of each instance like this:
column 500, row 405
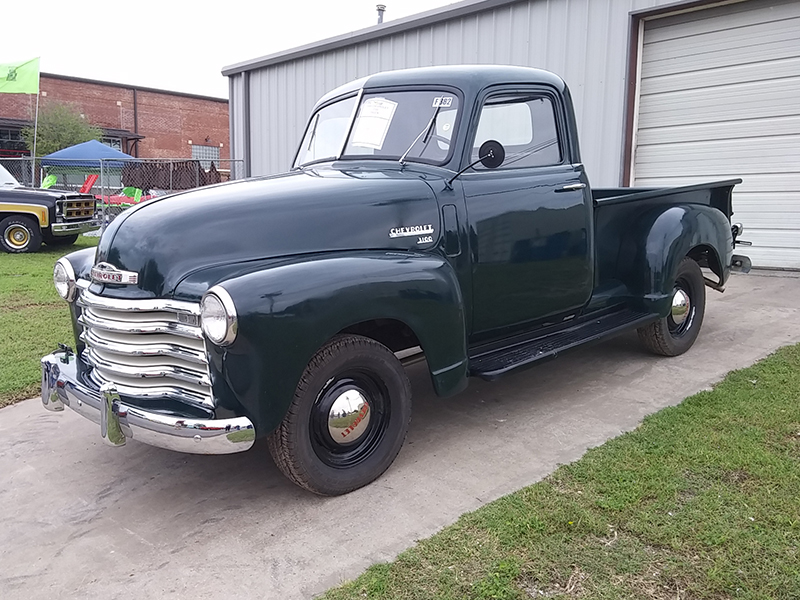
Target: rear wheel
column 677, row 332
column 348, row 418
column 20, row 234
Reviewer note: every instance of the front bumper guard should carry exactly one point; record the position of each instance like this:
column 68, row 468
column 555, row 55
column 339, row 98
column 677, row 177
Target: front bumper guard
column 119, row 421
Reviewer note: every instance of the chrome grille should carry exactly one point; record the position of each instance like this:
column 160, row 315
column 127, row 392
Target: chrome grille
column 148, row 348
column 79, row 209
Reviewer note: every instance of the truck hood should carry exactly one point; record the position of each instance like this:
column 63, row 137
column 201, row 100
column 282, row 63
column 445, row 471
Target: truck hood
column 42, row 197
column 321, row 210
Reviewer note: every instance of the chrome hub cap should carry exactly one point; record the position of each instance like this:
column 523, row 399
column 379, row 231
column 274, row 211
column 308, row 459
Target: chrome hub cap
column 17, row 236
column 681, row 306
column 348, row 418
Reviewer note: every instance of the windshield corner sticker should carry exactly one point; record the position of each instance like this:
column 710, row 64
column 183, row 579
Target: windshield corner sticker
column 443, row 101
column 422, row 233
column 373, row 122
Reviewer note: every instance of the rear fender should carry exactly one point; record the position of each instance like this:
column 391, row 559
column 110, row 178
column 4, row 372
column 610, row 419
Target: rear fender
column 671, row 235
column 287, row 312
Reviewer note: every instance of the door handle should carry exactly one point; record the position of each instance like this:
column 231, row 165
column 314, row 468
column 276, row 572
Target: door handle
column 572, row 187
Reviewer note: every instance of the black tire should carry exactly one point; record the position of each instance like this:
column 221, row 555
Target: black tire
column 59, row 240
column 305, row 447
column 675, row 334
column 20, row 234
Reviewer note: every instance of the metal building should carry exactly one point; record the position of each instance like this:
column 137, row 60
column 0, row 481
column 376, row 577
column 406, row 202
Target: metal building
column 666, row 92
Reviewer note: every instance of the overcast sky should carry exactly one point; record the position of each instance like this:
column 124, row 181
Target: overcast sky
column 176, row 45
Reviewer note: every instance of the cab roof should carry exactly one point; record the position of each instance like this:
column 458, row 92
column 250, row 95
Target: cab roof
column 470, row 79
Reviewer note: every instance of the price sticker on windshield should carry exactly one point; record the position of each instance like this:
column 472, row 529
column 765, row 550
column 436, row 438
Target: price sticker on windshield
column 373, row 123
column 443, row 102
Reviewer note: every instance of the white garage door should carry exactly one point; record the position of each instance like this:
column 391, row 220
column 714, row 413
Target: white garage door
column 720, row 98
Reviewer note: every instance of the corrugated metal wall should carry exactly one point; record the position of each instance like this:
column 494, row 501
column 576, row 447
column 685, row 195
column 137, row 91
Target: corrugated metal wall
column 584, row 41
column 237, row 119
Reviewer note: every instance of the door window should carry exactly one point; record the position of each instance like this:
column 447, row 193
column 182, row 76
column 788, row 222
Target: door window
column 526, row 127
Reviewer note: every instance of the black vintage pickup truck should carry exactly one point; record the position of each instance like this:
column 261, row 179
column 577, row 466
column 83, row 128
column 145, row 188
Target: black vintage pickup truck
column 30, row 216
column 440, row 212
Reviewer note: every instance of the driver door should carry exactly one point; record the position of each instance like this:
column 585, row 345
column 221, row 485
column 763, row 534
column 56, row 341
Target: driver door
column 529, row 218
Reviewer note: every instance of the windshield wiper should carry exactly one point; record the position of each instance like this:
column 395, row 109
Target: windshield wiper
column 425, row 132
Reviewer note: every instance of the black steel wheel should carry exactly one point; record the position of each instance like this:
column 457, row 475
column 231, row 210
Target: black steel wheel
column 20, row 233
column 348, row 418
column 677, row 332
column 59, row 240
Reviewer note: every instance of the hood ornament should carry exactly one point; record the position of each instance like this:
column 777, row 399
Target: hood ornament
column 107, row 273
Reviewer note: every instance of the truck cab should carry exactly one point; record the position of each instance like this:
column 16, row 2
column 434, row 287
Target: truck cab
column 441, row 212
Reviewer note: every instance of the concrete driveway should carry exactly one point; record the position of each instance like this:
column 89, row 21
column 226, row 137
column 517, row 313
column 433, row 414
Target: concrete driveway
column 78, row 519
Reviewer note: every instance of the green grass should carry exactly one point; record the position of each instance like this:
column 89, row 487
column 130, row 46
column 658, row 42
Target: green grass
column 701, row 501
column 33, row 318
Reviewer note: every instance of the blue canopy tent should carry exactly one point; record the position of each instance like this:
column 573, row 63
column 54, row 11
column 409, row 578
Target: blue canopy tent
column 74, row 164
column 87, row 155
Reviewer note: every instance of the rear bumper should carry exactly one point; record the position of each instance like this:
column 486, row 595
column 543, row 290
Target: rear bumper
column 119, row 422
column 740, row 263
column 59, row 229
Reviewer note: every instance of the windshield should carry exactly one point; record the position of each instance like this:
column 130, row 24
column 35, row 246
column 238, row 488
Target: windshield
column 325, row 134
column 413, row 125
column 7, row 178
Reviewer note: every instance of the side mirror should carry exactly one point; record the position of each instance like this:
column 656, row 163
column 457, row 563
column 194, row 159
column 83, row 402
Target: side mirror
column 492, row 154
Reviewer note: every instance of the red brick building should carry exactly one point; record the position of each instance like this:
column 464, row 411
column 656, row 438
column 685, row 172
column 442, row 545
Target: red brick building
column 142, row 122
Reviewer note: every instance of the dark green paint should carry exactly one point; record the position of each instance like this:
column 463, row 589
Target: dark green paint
column 307, row 254
column 287, row 312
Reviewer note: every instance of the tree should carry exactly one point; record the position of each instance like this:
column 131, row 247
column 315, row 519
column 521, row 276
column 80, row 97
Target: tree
column 60, row 126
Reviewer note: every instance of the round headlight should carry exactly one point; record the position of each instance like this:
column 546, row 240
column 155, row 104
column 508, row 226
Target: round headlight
column 218, row 316
column 64, row 279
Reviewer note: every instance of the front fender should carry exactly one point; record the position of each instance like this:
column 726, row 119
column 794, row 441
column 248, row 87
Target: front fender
column 288, row 311
column 672, row 234
column 82, row 262
column 44, row 215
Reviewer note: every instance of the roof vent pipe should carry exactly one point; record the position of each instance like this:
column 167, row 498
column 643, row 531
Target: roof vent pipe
column 381, row 9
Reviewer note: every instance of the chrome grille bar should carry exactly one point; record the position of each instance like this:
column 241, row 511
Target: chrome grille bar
column 94, row 340
column 181, row 393
column 90, row 320
column 147, row 348
column 158, row 305
column 144, row 372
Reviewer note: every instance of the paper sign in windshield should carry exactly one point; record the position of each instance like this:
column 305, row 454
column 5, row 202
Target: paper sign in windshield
column 374, row 120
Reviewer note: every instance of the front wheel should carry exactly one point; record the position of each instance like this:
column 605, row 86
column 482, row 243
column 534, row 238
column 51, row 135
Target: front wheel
column 347, row 420
column 20, row 234
column 677, row 332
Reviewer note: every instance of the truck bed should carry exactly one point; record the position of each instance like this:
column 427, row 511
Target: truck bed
column 716, row 194
column 617, row 209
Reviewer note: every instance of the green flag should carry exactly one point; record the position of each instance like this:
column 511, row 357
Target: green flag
column 20, row 78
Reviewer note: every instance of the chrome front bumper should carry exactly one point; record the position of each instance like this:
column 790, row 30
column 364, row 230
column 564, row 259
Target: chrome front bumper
column 119, row 421
column 59, row 229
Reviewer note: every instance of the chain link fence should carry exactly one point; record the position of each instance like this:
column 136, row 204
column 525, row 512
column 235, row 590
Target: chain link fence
column 121, row 183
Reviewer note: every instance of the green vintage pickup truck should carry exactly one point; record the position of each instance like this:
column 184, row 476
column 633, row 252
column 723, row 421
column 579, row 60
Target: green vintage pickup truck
column 440, row 212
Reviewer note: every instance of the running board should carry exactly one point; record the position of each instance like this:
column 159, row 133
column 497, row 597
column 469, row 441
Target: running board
column 491, row 365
